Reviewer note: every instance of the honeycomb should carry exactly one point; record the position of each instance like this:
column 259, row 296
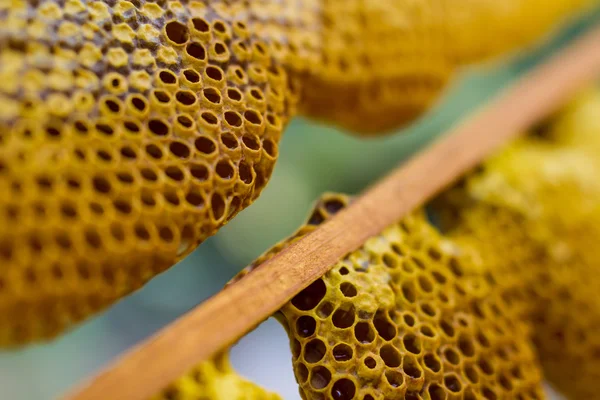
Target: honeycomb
column 130, row 131
column 377, row 65
column 533, row 214
column 214, row 380
column 407, row 316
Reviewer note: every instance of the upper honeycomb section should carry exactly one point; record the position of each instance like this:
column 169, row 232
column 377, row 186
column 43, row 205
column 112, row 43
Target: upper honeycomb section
column 372, row 66
column 129, row 132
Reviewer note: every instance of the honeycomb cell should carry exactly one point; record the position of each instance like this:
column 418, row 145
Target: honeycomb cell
column 154, row 88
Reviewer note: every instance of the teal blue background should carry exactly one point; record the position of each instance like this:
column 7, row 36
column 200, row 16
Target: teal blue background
column 313, row 159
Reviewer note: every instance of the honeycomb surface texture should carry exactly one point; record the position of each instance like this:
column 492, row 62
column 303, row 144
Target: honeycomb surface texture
column 533, row 214
column 407, row 316
column 214, row 380
column 377, row 65
column 131, row 131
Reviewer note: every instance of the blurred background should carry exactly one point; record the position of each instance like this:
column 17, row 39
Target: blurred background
column 313, row 159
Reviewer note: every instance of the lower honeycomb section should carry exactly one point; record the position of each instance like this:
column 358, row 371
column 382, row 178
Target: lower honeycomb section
column 407, row 316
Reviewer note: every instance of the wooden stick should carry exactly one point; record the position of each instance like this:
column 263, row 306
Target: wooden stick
column 224, row 318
